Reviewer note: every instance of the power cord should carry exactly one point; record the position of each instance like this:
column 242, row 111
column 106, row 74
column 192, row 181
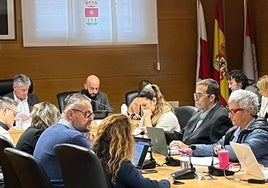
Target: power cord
column 250, row 180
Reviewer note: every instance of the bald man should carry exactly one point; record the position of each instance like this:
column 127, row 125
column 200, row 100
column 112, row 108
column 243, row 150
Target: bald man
column 99, row 99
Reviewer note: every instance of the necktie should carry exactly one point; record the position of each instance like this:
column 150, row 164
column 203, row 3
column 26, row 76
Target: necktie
column 200, row 120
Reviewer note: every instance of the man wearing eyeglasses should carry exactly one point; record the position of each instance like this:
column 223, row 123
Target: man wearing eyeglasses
column 8, row 108
column 248, row 129
column 209, row 124
column 72, row 128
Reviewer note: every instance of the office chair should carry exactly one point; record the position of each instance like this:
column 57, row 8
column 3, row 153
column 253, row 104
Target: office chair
column 6, row 86
column 10, row 176
column 28, row 170
column 61, row 98
column 184, row 113
column 129, row 96
column 75, row 159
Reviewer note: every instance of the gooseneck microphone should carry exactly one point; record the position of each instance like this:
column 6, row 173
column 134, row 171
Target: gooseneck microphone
column 187, row 173
column 214, row 171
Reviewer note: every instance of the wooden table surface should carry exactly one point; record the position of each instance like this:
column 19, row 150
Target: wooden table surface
column 205, row 181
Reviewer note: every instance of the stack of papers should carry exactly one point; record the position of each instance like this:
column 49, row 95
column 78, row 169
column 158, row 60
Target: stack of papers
column 200, row 161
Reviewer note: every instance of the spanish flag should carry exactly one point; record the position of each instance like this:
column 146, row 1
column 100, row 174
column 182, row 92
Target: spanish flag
column 219, row 55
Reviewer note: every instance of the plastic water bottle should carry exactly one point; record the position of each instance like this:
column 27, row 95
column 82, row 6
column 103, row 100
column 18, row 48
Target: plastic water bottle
column 124, row 109
column 223, row 156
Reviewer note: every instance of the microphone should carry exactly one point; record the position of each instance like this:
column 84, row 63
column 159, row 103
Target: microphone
column 214, row 171
column 150, row 163
column 187, row 173
column 170, row 161
column 97, row 102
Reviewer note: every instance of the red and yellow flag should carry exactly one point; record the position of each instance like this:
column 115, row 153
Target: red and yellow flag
column 219, row 55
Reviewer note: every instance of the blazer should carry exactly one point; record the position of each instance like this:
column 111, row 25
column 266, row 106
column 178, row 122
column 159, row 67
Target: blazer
column 212, row 128
column 32, row 99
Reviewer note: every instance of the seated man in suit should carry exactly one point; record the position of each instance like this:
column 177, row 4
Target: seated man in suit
column 99, row 99
column 248, row 129
column 210, row 123
column 26, row 100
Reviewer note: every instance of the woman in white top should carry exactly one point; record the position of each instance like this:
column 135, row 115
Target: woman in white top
column 262, row 85
column 157, row 112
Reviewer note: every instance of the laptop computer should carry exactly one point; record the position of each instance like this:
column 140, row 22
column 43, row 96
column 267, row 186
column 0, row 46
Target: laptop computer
column 141, row 147
column 100, row 114
column 159, row 143
column 248, row 161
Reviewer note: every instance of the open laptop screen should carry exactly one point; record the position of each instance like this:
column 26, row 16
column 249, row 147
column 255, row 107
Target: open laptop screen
column 141, row 147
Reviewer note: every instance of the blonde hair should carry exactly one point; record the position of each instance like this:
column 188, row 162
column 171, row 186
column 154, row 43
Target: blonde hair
column 262, row 83
column 113, row 143
column 44, row 114
column 151, row 91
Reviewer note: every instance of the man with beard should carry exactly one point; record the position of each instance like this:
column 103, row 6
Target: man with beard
column 72, row 128
column 99, row 99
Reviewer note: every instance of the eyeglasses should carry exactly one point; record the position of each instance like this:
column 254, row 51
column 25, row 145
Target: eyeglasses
column 234, row 111
column 87, row 114
column 199, row 95
column 13, row 111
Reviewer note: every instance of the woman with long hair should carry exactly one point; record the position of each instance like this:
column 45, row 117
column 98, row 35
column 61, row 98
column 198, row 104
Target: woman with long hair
column 42, row 116
column 113, row 145
column 157, row 112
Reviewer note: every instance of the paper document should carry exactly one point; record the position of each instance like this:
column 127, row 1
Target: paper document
column 200, row 161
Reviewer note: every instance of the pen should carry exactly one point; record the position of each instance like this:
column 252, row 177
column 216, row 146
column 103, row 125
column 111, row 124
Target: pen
column 183, row 152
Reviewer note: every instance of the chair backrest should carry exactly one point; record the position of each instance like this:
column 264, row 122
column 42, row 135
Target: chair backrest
column 61, row 98
column 10, row 176
column 28, row 170
column 184, row 113
column 174, row 103
column 129, row 96
column 6, row 86
column 76, row 160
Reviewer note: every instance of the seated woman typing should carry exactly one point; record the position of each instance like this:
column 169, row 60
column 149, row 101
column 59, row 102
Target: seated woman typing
column 113, row 145
column 157, row 112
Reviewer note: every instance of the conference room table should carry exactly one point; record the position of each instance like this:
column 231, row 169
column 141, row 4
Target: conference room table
column 203, row 180
column 15, row 134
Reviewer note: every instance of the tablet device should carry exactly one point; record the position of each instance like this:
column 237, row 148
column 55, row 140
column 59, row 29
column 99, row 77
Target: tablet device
column 140, row 151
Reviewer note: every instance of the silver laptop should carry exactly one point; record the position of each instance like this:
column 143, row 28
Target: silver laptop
column 248, row 161
column 159, row 143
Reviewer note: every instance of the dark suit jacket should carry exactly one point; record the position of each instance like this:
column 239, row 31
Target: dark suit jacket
column 32, row 99
column 212, row 128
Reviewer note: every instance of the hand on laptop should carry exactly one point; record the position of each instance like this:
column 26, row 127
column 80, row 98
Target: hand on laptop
column 176, row 143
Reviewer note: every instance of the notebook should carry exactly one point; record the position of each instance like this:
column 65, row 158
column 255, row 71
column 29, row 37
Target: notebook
column 159, row 143
column 141, row 147
column 100, row 114
column 248, row 161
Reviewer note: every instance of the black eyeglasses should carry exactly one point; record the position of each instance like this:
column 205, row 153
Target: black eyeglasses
column 199, row 95
column 87, row 114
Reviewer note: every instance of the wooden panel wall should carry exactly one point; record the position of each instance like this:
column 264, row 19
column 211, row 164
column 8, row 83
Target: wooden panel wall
column 56, row 69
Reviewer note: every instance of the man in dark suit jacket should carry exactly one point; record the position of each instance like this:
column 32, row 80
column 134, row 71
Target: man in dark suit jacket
column 26, row 100
column 209, row 124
